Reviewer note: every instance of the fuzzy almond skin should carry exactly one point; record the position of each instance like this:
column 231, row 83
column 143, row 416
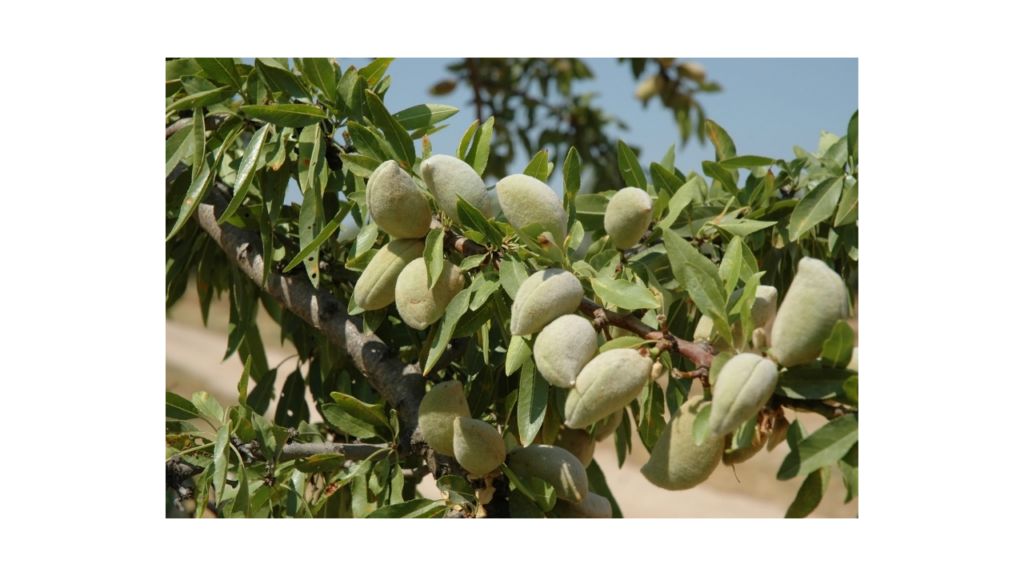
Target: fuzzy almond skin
column 419, row 306
column 762, row 312
column 563, row 348
column 816, row 300
column 447, row 178
column 593, row 506
column 396, row 204
column 578, row 443
column 544, row 296
column 743, row 386
column 607, row 384
column 554, row 465
column 676, row 462
column 627, row 216
column 375, row 288
column 606, row 426
column 525, row 200
column 478, row 446
column 439, row 409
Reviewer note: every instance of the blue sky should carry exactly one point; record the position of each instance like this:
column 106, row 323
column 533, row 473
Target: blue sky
column 767, row 105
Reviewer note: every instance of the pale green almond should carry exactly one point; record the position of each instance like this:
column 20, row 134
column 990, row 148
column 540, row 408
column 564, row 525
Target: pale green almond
column 554, row 465
column 396, row 203
column 578, row 443
column 437, row 413
column 525, row 200
column 627, row 216
column 418, row 305
column 607, row 383
column 563, row 348
column 593, row 506
column 478, row 446
column 448, row 178
column 676, row 462
column 375, row 288
column 816, row 300
column 743, row 386
column 544, row 296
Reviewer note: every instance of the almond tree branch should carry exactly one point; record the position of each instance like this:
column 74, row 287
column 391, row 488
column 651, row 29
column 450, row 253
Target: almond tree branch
column 695, row 352
column 402, row 385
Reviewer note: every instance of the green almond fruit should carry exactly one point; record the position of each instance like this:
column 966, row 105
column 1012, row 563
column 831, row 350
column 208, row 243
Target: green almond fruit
column 627, row 216
column 396, row 203
column 742, row 388
column 606, row 426
column 375, row 288
column 816, row 300
column 762, row 312
column 676, row 462
column 448, row 178
column 563, row 348
column 554, row 465
column 439, row 409
column 525, row 200
column 578, row 443
column 544, row 296
column 418, row 305
column 607, row 384
column 593, row 506
column 478, row 445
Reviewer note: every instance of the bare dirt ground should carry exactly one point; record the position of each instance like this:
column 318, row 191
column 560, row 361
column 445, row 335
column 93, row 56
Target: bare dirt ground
column 194, row 356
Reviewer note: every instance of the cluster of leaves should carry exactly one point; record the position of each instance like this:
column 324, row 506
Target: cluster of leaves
column 710, row 235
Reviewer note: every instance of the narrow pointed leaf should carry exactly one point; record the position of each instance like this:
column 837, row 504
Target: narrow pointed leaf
column 533, row 402
column 423, row 115
column 288, row 115
column 480, row 149
column 629, row 167
column 179, row 408
column 724, row 147
column 222, row 70
column 810, row 493
column 433, row 256
column 246, row 172
column 815, row 208
column 321, row 74
column 395, row 135
column 201, row 99
column 456, row 308
column 538, row 167
column 821, row 449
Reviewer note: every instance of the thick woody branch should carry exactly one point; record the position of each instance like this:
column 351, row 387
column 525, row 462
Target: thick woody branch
column 210, row 122
column 402, row 385
column 691, row 350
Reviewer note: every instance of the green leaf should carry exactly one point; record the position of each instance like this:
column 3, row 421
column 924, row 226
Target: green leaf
column 732, row 264
column 512, row 274
column 815, row 208
column 279, row 78
column 847, row 212
column 243, row 383
column 665, row 179
column 699, row 275
column 177, row 146
column 629, row 168
column 374, row 71
column 322, row 237
column 181, row 67
column 200, row 99
column 741, row 227
column 716, row 171
column 621, row 342
column 261, row 395
column 701, row 425
column 320, row 463
column 198, row 142
column 246, row 172
column 418, row 508
column 821, row 449
column 852, row 143
column 292, row 408
column 367, row 141
column 682, row 197
column 838, row 348
column 850, row 389
column 651, row 421
column 456, row 490
column 395, row 135
column 810, row 493
column 597, row 484
column 220, row 462
column 433, row 256
column 423, row 115
column 481, row 147
column 669, row 159
column 466, row 139
column 520, row 506
column 812, row 383
column 179, row 408
column 456, row 308
column 320, row 72
column 538, row 167
column 533, row 401
column 222, row 70
column 208, row 406
column 724, row 147
column 288, row 115
column 197, row 191
column 361, row 166
column 848, row 467
column 590, row 209
column 544, row 492
column 746, row 162
column 623, row 294
column 571, row 183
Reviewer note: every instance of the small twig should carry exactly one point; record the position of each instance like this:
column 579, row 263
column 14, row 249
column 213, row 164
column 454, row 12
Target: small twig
column 603, row 317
